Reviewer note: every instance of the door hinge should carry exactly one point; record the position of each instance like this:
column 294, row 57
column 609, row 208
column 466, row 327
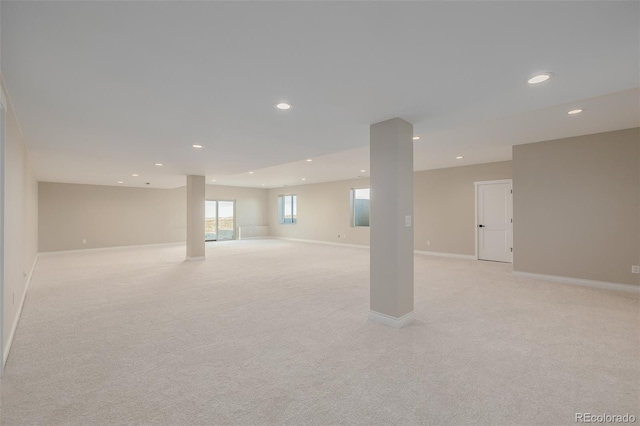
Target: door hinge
column 511, row 220
column 512, row 191
column 511, row 249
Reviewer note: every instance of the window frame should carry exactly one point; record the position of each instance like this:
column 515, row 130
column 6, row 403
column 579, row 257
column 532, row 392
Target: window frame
column 281, row 209
column 352, row 202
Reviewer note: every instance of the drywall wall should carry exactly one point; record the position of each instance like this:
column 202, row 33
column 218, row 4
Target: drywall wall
column 108, row 216
column 112, row 216
column 20, row 214
column 251, row 205
column 3, row 110
column 577, row 207
column 444, row 209
column 444, row 206
column 324, row 211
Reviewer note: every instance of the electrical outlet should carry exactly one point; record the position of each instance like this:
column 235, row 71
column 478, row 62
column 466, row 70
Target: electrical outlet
column 84, row 241
column 635, row 269
column 428, row 242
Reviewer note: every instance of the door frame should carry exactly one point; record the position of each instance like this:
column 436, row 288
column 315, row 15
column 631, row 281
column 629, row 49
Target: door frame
column 235, row 228
column 475, row 219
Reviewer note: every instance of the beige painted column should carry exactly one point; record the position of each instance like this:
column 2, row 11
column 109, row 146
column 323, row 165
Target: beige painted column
column 391, row 227
column 195, row 217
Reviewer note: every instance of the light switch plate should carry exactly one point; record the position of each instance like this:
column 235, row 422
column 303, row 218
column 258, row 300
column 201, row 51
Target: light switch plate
column 407, row 221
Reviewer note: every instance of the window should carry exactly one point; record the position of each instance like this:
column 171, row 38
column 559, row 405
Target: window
column 219, row 220
column 287, row 209
column 360, row 201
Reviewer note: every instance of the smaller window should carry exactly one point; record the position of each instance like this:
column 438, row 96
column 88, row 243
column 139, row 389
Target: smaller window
column 360, row 204
column 287, row 209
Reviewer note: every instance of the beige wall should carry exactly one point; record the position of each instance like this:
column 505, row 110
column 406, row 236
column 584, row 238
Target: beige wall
column 323, row 213
column 445, row 206
column 108, row 216
column 251, row 203
column 112, row 216
column 577, row 207
column 444, row 209
column 20, row 225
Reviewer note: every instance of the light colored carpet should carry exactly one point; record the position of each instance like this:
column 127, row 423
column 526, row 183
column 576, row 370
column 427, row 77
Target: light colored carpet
column 276, row 332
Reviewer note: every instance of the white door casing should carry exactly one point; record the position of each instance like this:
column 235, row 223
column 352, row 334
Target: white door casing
column 494, row 220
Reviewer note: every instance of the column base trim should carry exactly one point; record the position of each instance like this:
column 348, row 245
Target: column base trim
column 194, row 258
column 390, row 321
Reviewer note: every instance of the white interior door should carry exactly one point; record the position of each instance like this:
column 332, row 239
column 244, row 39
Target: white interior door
column 495, row 221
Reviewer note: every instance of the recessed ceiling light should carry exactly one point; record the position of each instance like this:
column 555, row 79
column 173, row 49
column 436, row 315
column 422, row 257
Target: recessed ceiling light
column 304, row 178
column 363, row 171
column 540, row 78
column 283, row 105
column 459, row 157
column 213, row 180
column 250, row 173
column 574, row 111
column 134, row 175
column 415, row 138
column 309, row 160
column 158, row 164
column 120, row 181
column 262, row 184
column 195, row 145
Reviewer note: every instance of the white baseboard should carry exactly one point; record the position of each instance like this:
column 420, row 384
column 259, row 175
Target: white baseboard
column 14, row 327
column 429, row 253
column 390, row 321
column 46, row 253
column 252, row 231
column 194, row 258
column 331, row 243
column 579, row 281
column 451, row 255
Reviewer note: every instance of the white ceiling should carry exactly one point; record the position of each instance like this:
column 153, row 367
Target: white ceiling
column 106, row 89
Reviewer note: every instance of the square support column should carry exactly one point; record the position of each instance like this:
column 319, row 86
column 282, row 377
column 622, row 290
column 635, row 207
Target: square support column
column 391, row 164
column 195, row 217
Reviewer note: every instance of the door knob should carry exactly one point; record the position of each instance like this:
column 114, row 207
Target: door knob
column 480, row 226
